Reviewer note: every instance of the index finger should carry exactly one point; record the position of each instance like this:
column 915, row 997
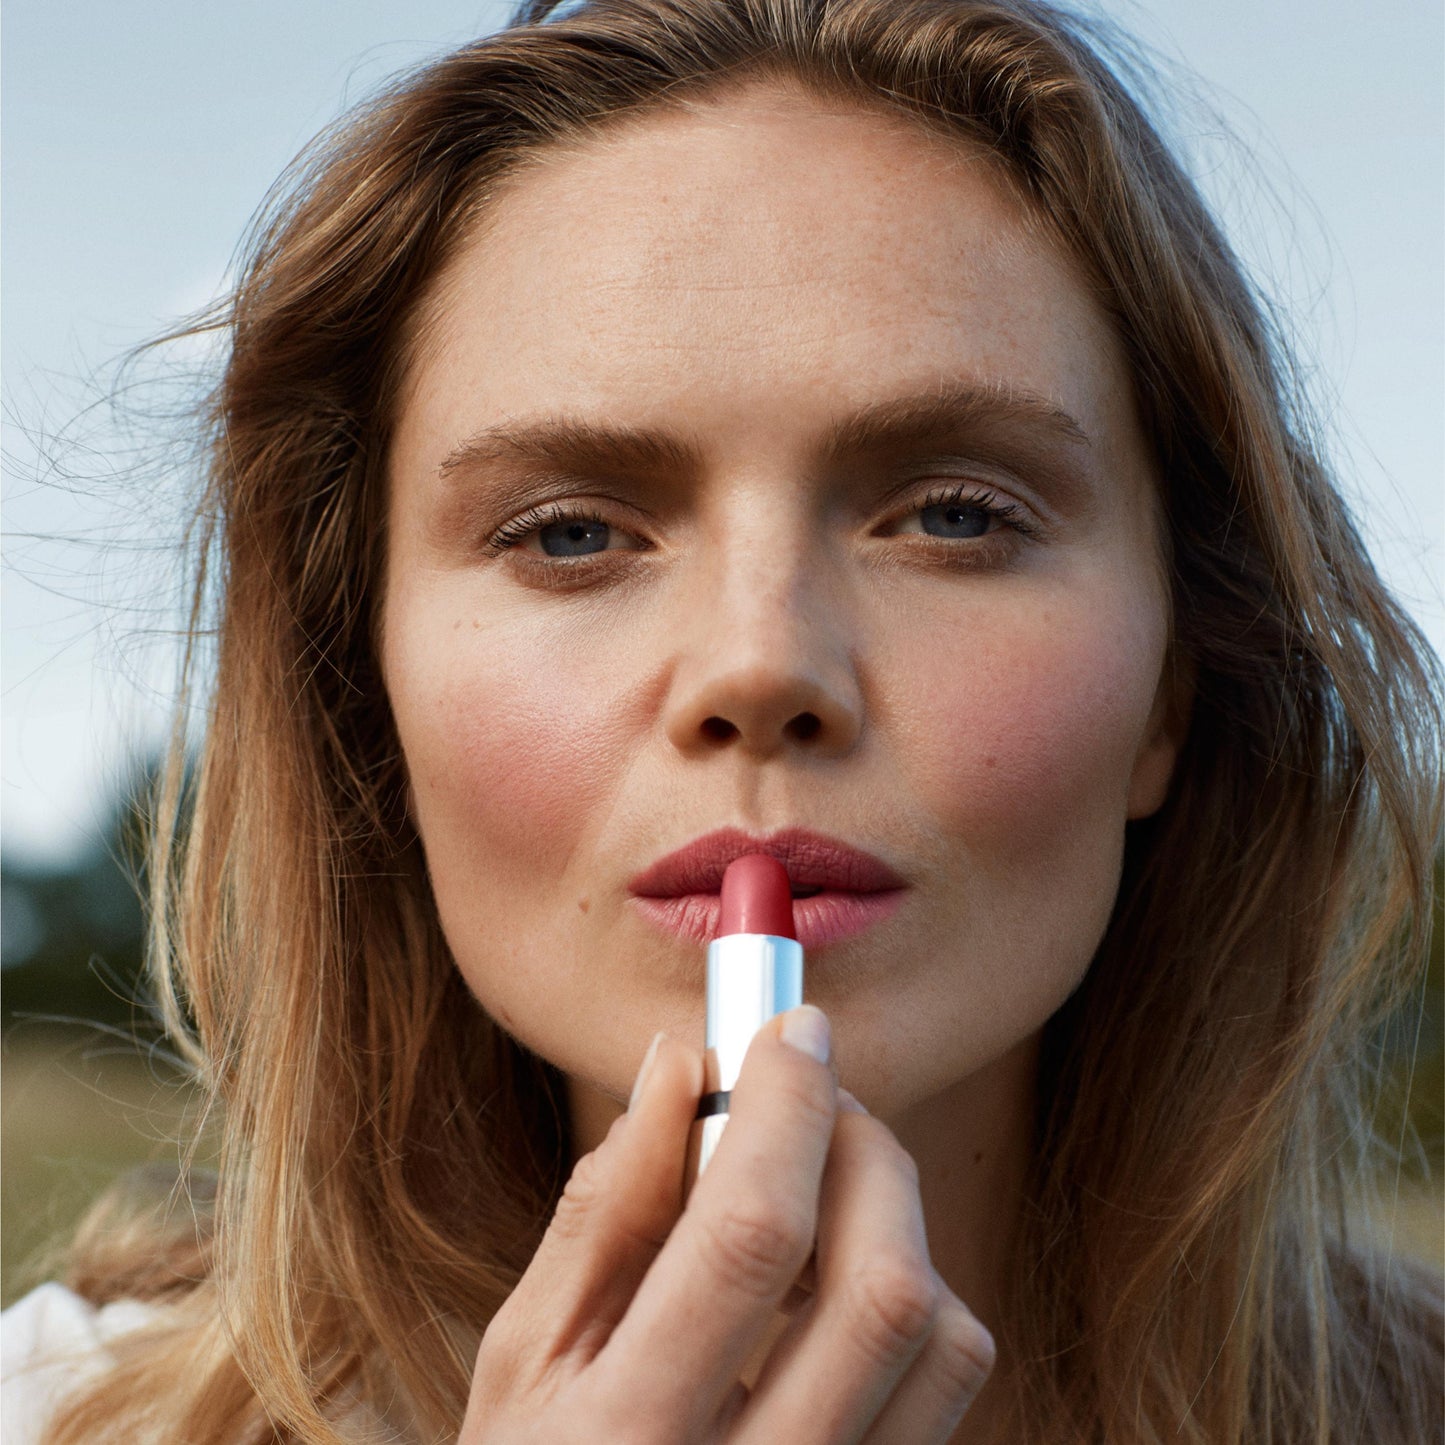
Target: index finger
column 747, row 1231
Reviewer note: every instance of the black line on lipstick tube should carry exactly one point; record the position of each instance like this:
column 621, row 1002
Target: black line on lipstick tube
column 717, row 1103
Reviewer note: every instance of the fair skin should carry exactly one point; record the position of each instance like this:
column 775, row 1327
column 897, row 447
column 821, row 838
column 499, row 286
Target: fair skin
column 941, row 640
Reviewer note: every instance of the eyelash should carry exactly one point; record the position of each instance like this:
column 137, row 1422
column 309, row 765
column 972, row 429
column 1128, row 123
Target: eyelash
column 1010, row 514
column 515, row 532
column 519, row 529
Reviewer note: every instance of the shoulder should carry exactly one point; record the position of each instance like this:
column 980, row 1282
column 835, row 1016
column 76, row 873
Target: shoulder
column 51, row 1342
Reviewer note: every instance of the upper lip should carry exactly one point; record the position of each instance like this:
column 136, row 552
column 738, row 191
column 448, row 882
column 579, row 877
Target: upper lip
column 812, row 860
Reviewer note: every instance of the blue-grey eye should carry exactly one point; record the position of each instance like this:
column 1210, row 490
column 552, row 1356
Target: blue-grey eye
column 576, row 538
column 955, row 519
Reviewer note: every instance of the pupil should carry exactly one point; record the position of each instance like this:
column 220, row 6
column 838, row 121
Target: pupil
column 574, row 539
column 955, row 519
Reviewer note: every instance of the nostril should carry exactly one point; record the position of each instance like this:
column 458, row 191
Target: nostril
column 805, row 726
column 718, row 729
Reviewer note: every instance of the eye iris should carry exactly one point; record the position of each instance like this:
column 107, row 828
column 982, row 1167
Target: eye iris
column 955, row 519
column 574, row 539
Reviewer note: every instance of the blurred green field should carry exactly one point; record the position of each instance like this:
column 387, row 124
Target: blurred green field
column 74, row 1115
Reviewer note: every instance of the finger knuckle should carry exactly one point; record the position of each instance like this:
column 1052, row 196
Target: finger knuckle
column 581, row 1199
column 891, row 1153
column 904, row 1162
column 962, row 1353
column 895, row 1304
column 499, row 1358
column 807, row 1092
column 757, row 1245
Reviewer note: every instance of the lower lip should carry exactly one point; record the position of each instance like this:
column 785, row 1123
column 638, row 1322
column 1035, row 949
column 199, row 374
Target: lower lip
column 824, row 918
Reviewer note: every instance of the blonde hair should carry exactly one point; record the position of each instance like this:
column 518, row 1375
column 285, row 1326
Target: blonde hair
column 1186, row 1269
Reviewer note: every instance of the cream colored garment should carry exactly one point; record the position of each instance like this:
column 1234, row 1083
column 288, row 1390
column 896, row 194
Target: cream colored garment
column 51, row 1342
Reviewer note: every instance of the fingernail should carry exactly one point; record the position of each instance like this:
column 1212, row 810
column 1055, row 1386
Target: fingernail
column 805, row 1028
column 644, row 1071
column 849, row 1103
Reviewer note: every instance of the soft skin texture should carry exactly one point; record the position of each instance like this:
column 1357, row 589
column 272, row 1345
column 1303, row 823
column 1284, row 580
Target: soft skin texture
column 771, row 639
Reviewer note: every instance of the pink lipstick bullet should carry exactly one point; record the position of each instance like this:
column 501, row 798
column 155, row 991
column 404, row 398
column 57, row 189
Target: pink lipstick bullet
column 754, row 970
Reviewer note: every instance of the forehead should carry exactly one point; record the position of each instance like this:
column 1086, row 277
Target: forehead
column 769, row 250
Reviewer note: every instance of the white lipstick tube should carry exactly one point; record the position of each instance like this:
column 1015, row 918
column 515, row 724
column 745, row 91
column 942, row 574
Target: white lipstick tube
column 750, row 977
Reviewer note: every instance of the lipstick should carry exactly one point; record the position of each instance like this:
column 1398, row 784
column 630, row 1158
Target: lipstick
column 754, row 970
column 839, row 890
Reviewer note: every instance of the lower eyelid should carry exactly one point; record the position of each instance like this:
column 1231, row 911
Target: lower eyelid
column 573, row 570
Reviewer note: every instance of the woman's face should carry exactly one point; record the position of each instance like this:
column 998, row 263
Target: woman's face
column 762, row 468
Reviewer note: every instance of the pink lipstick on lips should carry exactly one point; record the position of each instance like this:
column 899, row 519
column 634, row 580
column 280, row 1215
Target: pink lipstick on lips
column 839, row 890
column 754, row 970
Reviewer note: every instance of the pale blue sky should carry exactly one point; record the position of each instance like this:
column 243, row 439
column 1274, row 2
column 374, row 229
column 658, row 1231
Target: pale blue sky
column 138, row 137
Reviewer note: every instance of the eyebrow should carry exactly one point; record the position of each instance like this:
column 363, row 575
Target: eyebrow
column 949, row 411
column 574, row 445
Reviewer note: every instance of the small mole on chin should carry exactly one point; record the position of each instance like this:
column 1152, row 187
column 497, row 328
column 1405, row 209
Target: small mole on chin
column 978, row 1156
column 584, row 904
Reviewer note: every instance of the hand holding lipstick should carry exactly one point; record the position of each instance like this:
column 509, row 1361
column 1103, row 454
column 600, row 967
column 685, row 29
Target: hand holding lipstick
column 640, row 1320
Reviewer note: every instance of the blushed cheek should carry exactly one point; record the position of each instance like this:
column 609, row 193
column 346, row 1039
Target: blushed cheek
column 1026, row 742
column 513, row 754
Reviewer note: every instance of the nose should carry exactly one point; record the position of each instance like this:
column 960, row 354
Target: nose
column 766, row 668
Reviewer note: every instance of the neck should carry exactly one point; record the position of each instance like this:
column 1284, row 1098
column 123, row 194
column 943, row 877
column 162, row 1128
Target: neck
column 972, row 1144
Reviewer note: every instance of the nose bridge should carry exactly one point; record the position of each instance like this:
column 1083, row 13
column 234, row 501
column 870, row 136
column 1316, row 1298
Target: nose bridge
column 768, row 661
